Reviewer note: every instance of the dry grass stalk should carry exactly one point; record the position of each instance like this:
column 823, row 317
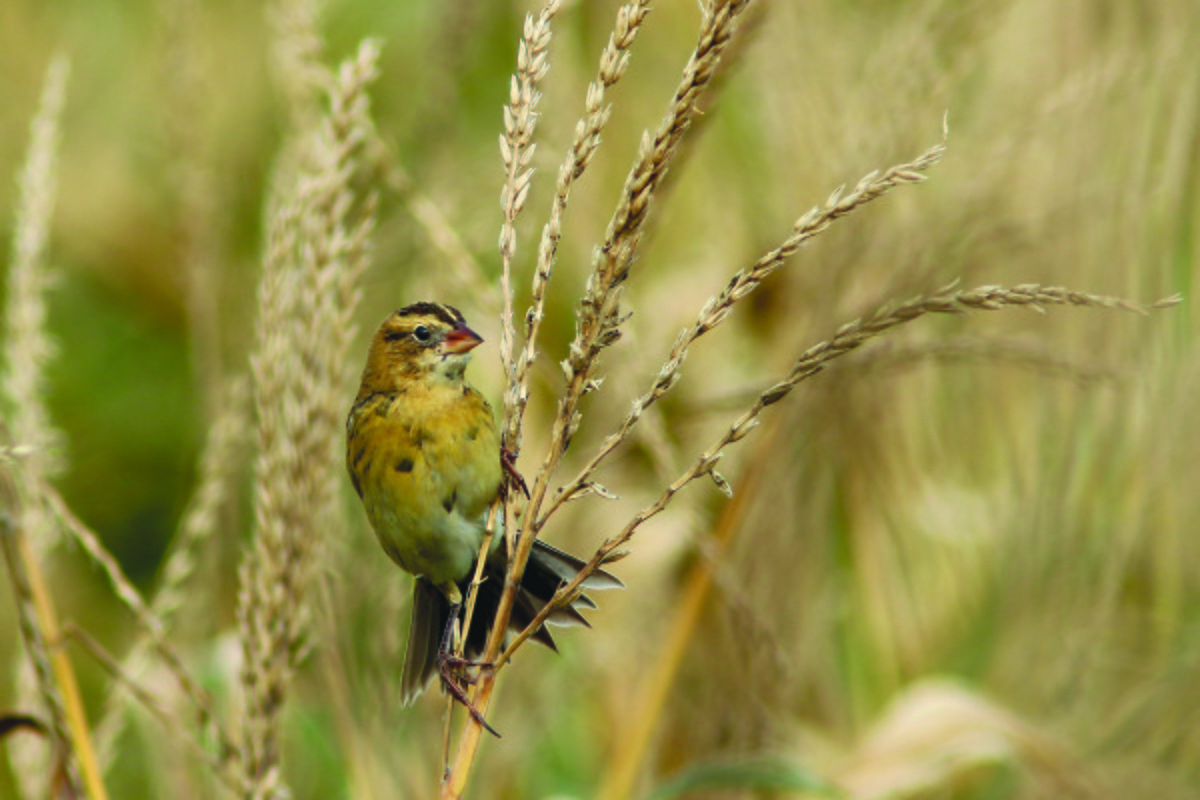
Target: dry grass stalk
column 318, row 247
column 816, row 221
column 599, row 320
column 152, row 625
column 226, row 437
column 599, row 317
column 27, row 763
column 154, row 632
column 31, row 531
column 218, row 763
column 613, row 63
column 847, row 338
column 124, row 589
column 516, row 150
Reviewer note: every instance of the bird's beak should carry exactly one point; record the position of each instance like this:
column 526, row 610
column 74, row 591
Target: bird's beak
column 460, row 340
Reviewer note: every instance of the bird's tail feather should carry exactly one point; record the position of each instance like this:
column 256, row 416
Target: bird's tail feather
column 547, row 569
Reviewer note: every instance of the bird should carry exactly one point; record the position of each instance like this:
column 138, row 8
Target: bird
column 424, row 455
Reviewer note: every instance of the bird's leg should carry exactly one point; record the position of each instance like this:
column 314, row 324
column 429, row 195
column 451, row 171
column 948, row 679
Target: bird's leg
column 508, row 460
column 449, row 665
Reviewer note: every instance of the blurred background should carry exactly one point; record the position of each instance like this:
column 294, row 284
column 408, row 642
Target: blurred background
column 960, row 563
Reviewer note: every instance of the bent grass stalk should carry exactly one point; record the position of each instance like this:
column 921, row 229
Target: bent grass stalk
column 29, row 532
column 717, row 309
column 847, row 338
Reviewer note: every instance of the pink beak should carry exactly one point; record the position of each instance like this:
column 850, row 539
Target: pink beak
column 460, row 340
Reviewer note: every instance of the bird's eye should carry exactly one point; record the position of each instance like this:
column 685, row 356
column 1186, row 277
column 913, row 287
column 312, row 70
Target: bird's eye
column 421, row 333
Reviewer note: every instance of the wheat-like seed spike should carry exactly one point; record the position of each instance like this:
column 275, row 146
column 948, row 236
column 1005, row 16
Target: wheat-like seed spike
column 599, row 316
column 717, row 309
column 613, row 62
column 193, row 180
column 847, row 338
column 318, row 241
column 516, row 151
column 27, row 348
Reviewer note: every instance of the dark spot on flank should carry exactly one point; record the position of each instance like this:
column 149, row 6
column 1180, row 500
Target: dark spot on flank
column 473, row 434
column 448, row 503
column 357, row 486
column 404, row 465
column 359, row 452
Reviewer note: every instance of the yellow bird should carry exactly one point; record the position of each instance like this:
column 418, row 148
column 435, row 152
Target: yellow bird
column 424, row 455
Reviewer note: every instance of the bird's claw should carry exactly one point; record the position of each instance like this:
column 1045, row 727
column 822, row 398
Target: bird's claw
column 450, row 666
column 508, row 460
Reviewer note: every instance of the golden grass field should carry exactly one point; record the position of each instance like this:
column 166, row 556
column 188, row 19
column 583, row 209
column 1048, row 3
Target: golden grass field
column 959, row 561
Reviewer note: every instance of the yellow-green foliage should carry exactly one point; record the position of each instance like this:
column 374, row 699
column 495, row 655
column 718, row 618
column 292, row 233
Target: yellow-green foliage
column 959, row 561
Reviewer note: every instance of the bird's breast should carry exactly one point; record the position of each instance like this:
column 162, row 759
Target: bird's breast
column 427, row 466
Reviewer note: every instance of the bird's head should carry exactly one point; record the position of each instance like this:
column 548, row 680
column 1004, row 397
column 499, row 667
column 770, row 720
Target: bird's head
column 418, row 342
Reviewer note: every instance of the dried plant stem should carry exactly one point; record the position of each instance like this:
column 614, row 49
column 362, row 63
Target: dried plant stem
column 848, row 338
column 477, row 579
column 715, row 311
column 42, row 627
column 516, row 150
column 30, row 533
column 598, row 325
column 87, row 538
column 196, row 195
column 27, row 345
column 613, row 63
column 150, row 702
column 598, row 328
column 599, row 317
column 39, row 628
column 151, row 624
